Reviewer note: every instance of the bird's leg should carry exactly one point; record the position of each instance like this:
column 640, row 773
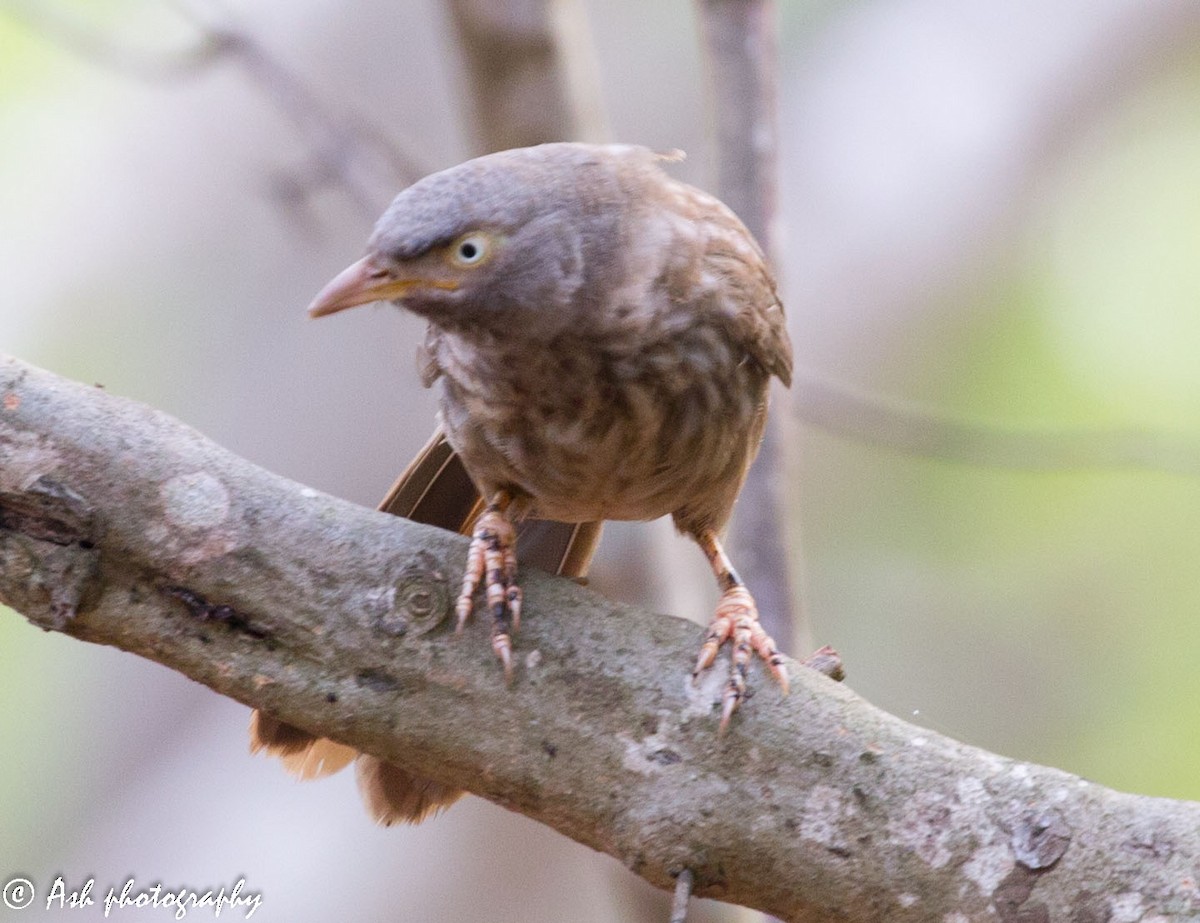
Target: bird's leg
column 492, row 560
column 736, row 620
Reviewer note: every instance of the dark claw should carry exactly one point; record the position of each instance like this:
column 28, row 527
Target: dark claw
column 729, row 704
column 502, row 646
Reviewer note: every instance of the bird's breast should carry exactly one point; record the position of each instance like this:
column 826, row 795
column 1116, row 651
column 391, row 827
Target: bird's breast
column 593, row 433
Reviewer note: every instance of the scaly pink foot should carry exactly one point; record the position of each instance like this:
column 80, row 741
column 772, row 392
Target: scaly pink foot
column 492, row 560
column 736, row 620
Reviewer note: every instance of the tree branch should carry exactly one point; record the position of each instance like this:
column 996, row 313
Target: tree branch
column 121, row 526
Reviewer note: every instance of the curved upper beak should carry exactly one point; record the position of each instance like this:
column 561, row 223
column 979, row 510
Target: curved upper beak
column 360, row 283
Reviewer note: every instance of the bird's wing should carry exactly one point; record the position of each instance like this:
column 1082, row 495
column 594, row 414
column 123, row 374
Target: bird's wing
column 435, row 489
column 714, row 263
column 751, row 306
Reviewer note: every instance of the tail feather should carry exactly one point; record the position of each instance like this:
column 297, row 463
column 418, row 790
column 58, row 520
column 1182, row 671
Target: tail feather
column 275, row 737
column 394, row 795
column 323, row 758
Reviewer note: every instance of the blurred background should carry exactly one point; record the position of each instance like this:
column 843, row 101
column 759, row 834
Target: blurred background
column 988, row 244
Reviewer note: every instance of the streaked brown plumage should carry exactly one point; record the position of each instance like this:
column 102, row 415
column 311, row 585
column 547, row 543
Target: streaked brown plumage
column 603, row 337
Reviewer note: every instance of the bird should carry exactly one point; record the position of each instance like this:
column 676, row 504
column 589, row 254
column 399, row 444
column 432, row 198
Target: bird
column 603, row 337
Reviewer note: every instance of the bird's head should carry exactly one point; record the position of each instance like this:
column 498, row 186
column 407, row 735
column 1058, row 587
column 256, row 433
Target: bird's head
column 483, row 242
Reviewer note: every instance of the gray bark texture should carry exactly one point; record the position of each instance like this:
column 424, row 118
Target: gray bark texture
column 121, row 526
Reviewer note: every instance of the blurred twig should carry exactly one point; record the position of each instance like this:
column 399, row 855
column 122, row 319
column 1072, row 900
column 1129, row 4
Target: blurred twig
column 345, row 151
column 683, row 894
column 740, row 43
column 530, row 73
column 91, row 43
column 581, row 69
column 914, row 430
column 121, row 526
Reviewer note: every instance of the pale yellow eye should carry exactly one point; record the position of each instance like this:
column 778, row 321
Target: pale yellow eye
column 471, row 249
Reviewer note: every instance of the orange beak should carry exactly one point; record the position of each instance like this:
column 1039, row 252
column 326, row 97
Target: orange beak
column 364, row 282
